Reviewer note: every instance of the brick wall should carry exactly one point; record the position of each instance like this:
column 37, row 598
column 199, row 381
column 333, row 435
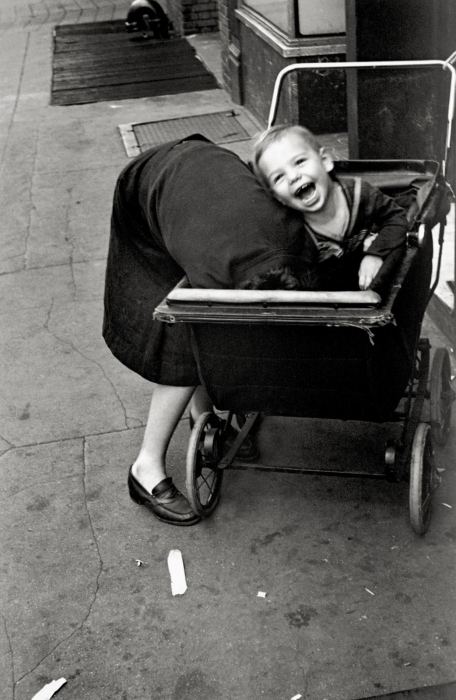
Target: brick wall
column 224, row 28
column 193, row 16
column 230, row 40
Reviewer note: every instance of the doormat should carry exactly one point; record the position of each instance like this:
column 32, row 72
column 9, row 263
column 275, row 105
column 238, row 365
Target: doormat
column 218, row 127
column 101, row 61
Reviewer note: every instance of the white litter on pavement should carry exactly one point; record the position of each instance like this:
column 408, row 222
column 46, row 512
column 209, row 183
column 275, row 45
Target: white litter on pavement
column 296, row 697
column 366, row 589
column 49, row 690
column 177, row 572
column 447, row 505
column 261, row 594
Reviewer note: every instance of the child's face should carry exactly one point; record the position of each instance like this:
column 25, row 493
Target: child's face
column 297, row 174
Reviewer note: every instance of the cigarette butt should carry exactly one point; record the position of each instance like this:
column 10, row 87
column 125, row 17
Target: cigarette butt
column 177, row 572
column 296, row 697
column 366, row 589
column 49, row 690
column 447, row 505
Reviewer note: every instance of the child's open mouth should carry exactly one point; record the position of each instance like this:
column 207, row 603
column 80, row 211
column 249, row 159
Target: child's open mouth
column 306, row 192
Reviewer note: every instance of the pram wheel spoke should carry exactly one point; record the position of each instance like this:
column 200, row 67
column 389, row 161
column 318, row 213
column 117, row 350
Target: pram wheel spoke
column 441, row 396
column 204, row 479
column 424, row 479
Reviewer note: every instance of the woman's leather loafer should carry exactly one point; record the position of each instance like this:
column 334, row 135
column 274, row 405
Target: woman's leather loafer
column 166, row 502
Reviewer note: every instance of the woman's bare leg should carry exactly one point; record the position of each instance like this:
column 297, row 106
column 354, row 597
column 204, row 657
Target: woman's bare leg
column 200, row 403
column 166, row 408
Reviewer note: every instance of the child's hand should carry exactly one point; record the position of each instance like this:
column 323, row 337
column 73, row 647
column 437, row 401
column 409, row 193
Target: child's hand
column 369, row 267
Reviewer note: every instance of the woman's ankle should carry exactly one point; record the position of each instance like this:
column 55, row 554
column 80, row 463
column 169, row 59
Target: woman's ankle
column 148, row 475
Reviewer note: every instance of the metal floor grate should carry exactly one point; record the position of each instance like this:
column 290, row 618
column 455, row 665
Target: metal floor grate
column 219, row 127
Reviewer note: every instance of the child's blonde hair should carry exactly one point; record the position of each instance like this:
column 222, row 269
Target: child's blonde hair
column 275, row 133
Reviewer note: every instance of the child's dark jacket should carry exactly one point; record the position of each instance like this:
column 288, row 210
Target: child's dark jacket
column 371, row 211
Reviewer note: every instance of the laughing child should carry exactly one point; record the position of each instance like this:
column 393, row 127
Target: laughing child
column 354, row 227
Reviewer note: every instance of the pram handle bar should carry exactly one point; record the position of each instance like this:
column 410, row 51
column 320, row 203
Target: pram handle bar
column 276, row 296
column 342, row 65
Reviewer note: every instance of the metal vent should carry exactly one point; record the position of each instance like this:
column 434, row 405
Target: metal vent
column 219, row 127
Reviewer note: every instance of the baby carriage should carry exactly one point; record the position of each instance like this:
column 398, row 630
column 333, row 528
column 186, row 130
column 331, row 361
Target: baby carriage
column 355, row 356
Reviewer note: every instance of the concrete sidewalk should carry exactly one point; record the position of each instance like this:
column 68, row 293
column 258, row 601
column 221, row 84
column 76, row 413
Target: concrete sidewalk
column 29, row 15
column 356, row 605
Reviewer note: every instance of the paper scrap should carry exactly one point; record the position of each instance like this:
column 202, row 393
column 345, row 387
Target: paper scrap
column 447, row 505
column 261, row 594
column 296, row 697
column 139, row 562
column 366, row 589
column 177, row 572
column 49, row 690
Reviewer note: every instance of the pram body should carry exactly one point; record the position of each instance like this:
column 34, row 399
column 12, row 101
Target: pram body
column 335, row 355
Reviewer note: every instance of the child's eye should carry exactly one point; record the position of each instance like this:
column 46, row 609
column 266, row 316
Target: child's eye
column 276, row 178
column 300, row 161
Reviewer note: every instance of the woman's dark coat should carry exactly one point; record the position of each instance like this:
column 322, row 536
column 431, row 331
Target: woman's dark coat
column 192, row 208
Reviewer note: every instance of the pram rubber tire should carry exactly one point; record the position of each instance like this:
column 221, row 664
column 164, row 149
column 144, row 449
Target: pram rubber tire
column 203, row 478
column 441, row 396
column 423, row 479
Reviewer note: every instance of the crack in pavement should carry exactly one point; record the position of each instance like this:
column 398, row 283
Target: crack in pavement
column 8, row 259
column 78, row 437
column 97, row 580
column 303, row 671
column 16, row 102
column 32, row 207
column 38, row 483
column 69, row 239
column 89, row 359
column 45, row 267
column 10, row 649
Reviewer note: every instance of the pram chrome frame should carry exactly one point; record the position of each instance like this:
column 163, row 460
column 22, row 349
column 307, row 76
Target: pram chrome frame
column 446, row 65
column 411, row 455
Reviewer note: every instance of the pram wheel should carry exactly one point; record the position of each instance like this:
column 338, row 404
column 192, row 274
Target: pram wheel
column 204, row 479
column 441, row 397
column 424, row 479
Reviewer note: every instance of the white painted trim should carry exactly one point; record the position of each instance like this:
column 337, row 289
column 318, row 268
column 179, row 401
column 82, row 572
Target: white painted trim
column 260, row 296
column 129, row 140
column 294, row 48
